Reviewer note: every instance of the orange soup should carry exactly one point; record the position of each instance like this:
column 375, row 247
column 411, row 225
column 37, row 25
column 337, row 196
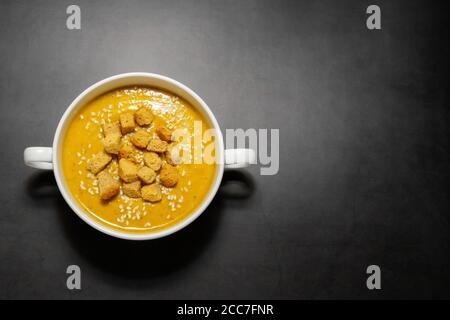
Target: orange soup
column 117, row 163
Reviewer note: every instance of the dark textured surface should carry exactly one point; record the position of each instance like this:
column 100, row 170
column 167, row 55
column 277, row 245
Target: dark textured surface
column 364, row 126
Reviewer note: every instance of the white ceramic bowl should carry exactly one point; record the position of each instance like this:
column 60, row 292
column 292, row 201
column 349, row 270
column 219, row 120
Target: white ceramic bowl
column 50, row 158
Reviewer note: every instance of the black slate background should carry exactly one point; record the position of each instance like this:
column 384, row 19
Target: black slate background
column 364, row 151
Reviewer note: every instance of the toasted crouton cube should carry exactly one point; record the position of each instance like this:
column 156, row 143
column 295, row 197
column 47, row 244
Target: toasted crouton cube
column 111, row 128
column 127, row 122
column 141, row 138
column 112, row 143
column 147, row 175
column 152, row 160
column 143, row 116
column 157, row 145
column 128, row 170
column 132, row 190
column 168, row 176
column 164, row 133
column 128, row 151
column 107, row 185
column 98, row 162
column 172, row 154
column 151, row 192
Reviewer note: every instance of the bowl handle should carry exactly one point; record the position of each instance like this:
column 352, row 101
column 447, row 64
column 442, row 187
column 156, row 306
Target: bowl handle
column 239, row 158
column 38, row 157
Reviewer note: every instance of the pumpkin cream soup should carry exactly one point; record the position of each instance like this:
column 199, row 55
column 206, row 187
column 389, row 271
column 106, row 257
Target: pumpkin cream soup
column 128, row 159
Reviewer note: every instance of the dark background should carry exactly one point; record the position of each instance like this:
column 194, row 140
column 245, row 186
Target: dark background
column 364, row 148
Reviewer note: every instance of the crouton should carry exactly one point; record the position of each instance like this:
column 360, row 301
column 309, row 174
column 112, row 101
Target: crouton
column 151, row 192
column 111, row 128
column 128, row 170
column 147, row 175
column 107, row 185
column 132, row 190
column 168, row 175
column 141, row 138
column 128, row 151
column 98, row 162
column 143, row 116
column 164, row 133
column 172, row 154
column 152, row 160
column 127, row 122
column 157, row 145
column 111, row 142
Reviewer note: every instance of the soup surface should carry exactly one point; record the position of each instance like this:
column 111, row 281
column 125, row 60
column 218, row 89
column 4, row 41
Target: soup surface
column 84, row 139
